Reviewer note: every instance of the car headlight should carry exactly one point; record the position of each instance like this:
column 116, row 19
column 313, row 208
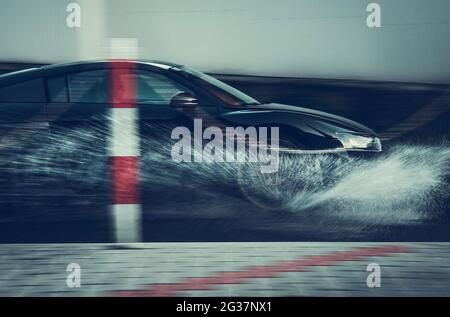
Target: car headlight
column 357, row 142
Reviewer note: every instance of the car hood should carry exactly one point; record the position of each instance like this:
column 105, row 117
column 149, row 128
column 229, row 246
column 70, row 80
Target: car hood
column 347, row 123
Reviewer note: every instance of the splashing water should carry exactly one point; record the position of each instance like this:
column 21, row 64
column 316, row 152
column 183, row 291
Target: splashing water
column 401, row 185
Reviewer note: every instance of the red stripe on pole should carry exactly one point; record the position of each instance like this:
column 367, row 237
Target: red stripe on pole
column 125, row 179
column 123, row 85
column 124, row 169
column 124, row 145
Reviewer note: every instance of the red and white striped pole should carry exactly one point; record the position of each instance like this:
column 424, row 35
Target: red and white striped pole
column 124, row 153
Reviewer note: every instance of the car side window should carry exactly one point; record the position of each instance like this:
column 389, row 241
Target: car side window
column 154, row 88
column 82, row 87
column 94, row 87
column 31, row 91
column 57, row 89
column 89, row 87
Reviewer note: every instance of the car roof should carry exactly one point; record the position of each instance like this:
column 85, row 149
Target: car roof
column 68, row 67
column 95, row 64
column 20, row 75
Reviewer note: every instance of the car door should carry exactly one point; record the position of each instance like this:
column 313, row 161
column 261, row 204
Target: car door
column 158, row 118
column 22, row 113
column 154, row 92
column 23, row 134
column 77, row 113
column 76, row 99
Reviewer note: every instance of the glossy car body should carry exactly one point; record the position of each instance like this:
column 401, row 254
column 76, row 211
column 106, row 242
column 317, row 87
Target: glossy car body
column 65, row 96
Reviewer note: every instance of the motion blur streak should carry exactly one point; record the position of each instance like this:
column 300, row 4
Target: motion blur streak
column 402, row 185
column 267, row 271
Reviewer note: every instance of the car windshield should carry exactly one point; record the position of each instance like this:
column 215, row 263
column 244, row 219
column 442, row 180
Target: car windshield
column 229, row 95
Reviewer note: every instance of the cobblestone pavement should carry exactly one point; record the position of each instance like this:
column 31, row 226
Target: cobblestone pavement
column 226, row 269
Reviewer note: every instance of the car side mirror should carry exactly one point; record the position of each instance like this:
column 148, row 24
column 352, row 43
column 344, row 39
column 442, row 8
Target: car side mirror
column 184, row 100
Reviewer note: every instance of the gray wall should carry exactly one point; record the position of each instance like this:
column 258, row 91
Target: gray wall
column 305, row 38
column 36, row 31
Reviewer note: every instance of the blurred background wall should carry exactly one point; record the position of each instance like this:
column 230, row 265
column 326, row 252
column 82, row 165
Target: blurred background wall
column 292, row 38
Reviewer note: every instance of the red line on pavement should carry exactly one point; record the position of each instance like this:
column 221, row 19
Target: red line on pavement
column 263, row 271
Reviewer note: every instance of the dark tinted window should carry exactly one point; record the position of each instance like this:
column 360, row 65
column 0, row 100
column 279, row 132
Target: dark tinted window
column 148, row 88
column 90, row 86
column 57, row 89
column 156, row 88
column 224, row 92
column 27, row 91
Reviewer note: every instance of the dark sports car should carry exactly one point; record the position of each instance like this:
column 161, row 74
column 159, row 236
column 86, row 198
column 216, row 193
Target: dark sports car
column 57, row 99
column 67, row 94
